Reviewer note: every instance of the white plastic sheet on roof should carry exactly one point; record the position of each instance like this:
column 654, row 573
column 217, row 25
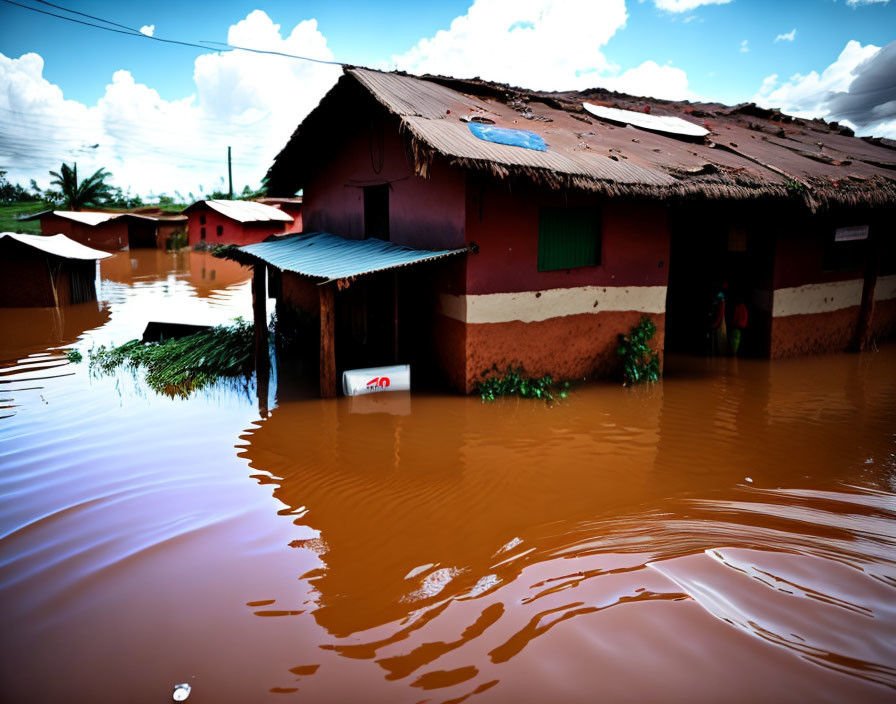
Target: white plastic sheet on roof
column 656, row 123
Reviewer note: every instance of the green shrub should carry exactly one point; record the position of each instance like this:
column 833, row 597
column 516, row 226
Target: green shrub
column 639, row 362
column 74, row 356
column 178, row 367
column 514, row 382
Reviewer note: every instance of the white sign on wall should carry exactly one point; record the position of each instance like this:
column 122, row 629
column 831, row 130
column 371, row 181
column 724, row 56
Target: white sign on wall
column 850, row 234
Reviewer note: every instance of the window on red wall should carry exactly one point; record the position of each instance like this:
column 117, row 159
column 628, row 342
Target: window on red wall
column 202, row 219
column 219, row 230
column 202, row 233
column 568, row 238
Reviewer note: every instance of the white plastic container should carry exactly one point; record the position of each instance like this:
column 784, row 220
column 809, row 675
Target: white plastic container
column 356, row 382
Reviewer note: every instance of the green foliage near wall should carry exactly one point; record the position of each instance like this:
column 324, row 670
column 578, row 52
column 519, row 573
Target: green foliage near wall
column 515, row 382
column 639, row 362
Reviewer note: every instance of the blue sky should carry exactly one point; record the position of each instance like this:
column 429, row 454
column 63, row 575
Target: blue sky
column 725, row 51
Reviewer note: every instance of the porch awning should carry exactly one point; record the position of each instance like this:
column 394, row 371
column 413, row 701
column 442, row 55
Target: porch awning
column 331, row 257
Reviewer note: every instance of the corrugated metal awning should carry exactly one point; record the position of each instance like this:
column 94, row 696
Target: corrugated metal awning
column 331, row 257
column 58, row 246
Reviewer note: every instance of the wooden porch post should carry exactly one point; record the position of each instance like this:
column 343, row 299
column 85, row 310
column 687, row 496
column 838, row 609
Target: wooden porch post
column 866, row 312
column 260, row 316
column 395, row 316
column 328, row 386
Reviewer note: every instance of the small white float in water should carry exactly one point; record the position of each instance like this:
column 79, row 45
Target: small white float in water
column 181, row 692
column 356, row 382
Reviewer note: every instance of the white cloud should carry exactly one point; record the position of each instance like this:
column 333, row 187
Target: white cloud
column 533, row 43
column 744, row 46
column 148, row 29
column 540, row 44
column 857, row 89
column 251, row 102
column 685, row 5
column 856, row 3
column 787, row 37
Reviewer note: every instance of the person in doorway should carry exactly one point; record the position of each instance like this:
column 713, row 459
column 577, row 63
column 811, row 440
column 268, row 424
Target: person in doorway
column 738, row 323
column 718, row 330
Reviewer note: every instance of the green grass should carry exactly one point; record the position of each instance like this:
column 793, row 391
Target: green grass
column 179, row 367
column 10, row 211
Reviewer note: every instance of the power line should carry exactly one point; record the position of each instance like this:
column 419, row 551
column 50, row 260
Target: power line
column 130, row 31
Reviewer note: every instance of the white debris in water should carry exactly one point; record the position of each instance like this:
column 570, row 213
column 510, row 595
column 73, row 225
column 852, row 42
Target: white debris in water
column 434, row 583
column 420, row 570
column 510, row 546
column 748, row 479
column 484, row 584
column 181, row 692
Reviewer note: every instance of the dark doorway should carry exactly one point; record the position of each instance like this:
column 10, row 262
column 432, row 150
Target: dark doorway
column 141, row 234
column 716, row 250
column 376, row 211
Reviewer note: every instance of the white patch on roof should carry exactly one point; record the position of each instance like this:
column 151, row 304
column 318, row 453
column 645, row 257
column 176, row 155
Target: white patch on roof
column 58, row 245
column 248, row 211
column 656, row 123
column 92, row 219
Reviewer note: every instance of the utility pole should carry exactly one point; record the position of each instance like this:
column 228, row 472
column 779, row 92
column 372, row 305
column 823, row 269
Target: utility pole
column 229, row 173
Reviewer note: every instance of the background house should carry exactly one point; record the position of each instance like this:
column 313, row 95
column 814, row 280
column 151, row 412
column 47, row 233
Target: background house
column 46, row 271
column 215, row 222
column 112, row 231
column 579, row 220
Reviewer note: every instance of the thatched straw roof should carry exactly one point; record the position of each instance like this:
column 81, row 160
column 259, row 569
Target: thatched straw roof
column 749, row 152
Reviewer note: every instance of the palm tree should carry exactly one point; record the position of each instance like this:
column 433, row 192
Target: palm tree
column 91, row 191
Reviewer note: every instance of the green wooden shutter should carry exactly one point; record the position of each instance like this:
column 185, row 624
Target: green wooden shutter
column 568, row 238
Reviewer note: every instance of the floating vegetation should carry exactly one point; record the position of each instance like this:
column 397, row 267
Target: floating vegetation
column 74, row 356
column 639, row 362
column 180, row 366
column 514, row 382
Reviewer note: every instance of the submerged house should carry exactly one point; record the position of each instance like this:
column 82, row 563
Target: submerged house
column 36, row 270
column 215, row 222
column 466, row 226
column 111, row 231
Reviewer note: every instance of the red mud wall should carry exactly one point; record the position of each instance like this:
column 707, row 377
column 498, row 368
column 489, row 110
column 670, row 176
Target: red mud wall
column 817, row 310
column 545, row 330
column 423, row 213
column 111, row 236
column 232, row 232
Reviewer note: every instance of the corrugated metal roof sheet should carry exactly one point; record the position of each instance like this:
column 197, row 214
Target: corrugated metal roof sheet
column 248, row 211
column 454, row 139
column 57, row 245
column 330, row 257
column 407, row 96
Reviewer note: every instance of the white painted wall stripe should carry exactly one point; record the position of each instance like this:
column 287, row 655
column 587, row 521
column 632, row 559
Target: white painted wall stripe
column 817, row 298
column 829, row 297
column 535, row 306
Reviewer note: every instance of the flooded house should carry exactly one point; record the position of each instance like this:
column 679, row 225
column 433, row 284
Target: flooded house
column 467, row 226
column 40, row 271
column 291, row 206
column 238, row 222
column 111, row 231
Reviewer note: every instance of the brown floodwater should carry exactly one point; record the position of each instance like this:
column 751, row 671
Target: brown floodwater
column 728, row 534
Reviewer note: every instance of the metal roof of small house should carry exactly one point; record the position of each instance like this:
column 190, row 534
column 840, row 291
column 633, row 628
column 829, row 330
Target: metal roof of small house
column 331, row 257
column 57, row 245
column 86, row 217
column 748, row 151
column 244, row 210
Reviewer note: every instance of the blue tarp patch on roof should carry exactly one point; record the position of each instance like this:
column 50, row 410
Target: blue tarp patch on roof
column 330, row 257
column 512, row 138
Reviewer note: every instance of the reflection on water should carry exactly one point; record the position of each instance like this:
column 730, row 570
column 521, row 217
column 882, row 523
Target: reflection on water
column 727, row 535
